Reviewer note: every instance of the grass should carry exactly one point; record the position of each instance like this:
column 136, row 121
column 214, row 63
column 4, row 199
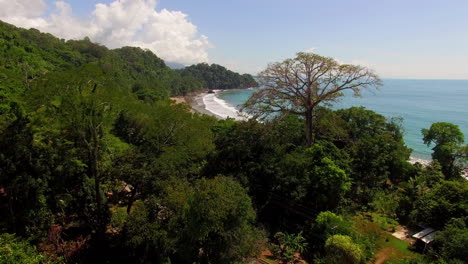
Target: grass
column 399, row 244
column 399, row 249
column 386, row 247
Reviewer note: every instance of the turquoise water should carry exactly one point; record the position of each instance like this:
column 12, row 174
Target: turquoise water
column 419, row 102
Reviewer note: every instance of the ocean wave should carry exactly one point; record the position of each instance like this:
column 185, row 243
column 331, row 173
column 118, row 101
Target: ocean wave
column 221, row 108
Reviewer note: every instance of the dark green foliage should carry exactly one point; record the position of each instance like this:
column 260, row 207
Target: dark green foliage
column 208, row 222
column 59, row 102
column 447, row 139
column 424, row 179
column 98, row 165
column 444, row 201
column 215, row 76
column 29, row 55
column 316, row 177
column 287, row 247
column 290, row 184
column 453, row 240
column 377, row 150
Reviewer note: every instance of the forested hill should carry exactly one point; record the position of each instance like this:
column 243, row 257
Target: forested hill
column 215, row 76
column 29, row 55
column 97, row 165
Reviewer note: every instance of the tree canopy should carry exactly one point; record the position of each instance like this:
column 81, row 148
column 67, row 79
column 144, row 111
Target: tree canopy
column 97, row 165
column 300, row 84
column 447, row 139
column 215, row 76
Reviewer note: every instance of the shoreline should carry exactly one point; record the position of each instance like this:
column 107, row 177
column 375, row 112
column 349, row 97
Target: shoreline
column 198, row 105
column 422, row 161
column 197, row 102
column 210, row 104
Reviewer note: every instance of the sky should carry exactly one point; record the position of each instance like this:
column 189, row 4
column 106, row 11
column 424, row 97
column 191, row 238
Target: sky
column 417, row 39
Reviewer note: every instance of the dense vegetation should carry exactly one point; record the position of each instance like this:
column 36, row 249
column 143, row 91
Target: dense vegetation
column 215, row 76
column 97, row 165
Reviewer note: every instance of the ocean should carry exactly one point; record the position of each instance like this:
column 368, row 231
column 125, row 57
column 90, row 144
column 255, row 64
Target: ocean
column 419, row 102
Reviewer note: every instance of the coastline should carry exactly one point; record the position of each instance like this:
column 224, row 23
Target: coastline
column 198, row 105
column 423, row 162
column 208, row 104
column 195, row 101
column 426, row 162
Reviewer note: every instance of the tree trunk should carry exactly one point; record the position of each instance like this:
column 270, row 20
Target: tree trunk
column 308, row 128
column 97, row 187
column 12, row 211
column 131, row 199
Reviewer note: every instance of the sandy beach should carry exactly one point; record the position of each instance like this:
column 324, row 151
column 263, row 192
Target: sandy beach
column 198, row 105
column 425, row 162
column 209, row 104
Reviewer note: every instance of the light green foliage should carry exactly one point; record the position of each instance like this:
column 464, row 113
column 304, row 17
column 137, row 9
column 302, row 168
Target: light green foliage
column 326, row 224
column 447, row 139
column 16, row 251
column 342, row 249
column 442, row 134
column 287, row 247
column 118, row 217
column 329, row 224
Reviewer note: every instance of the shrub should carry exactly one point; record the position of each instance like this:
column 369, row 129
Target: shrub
column 342, row 249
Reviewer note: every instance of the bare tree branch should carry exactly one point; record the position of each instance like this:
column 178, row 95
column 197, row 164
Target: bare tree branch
column 298, row 85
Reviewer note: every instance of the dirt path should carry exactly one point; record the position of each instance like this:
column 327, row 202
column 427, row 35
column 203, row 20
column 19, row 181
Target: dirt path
column 383, row 255
column 404, row 233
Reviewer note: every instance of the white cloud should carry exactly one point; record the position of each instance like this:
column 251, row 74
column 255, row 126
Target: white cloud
column 169, row 34
column 241, row 65
column 26, row 13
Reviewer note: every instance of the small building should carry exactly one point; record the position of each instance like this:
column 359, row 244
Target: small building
column 423, row 233
column 425, row 237
column 429, row 238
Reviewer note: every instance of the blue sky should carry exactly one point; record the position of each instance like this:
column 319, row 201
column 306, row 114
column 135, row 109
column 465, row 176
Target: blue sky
column 399, row 39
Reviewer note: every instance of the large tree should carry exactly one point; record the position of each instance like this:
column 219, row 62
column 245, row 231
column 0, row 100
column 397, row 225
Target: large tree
column 301, row 84
column 448, row 149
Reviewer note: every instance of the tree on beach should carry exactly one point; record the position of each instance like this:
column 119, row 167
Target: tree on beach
column 447, row 138
column 299, row 85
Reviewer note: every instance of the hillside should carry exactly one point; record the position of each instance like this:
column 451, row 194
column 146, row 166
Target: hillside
column 97, row 165
column 28, row 55
column 218, row 77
